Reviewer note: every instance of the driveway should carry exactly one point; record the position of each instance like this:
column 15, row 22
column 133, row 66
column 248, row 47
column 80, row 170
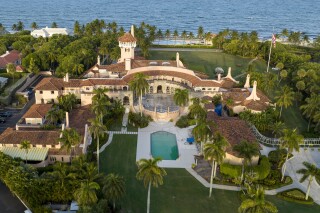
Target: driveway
column 8, row 202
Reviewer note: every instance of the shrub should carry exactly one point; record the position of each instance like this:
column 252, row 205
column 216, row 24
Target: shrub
column 230, row 170
column 139, row 121
column 183, row 122
column 263, row 168
column 295, row 195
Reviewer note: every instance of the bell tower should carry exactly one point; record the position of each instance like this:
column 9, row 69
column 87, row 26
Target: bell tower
column 127, row 43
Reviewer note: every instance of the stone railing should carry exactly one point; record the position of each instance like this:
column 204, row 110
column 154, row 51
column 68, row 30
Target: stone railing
column 276, row 141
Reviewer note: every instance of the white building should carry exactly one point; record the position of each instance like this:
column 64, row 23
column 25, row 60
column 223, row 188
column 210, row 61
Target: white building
column 48, row 32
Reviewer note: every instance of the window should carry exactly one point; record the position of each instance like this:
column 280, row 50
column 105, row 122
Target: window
column 41, row 92
column 52, row 92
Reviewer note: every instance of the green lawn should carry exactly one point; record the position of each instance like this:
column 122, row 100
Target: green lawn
column 208, row 61
column 181, row 192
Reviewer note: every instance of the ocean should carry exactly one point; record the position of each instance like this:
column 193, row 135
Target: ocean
column 263, row 16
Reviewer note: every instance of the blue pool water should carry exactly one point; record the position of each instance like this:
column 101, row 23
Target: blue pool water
column 164, row 145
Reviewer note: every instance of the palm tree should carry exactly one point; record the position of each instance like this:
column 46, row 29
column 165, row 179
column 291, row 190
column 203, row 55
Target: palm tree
column 167, row 35
column 246, row 150
column 310, row 172
column 86, row 194
column 216, row 152
column 196, row 110
column 311, row 107
column 284, row 97
column 175, row 34
column 151, row 174
column 139, row 85
column 69, row 139
column 277, row 128
column 181, row 97
column 290, row 141
column 114, row 188
column 202, row 132
column 34, row 26
column 257, row 203
column 97, row 129
column 25, row 144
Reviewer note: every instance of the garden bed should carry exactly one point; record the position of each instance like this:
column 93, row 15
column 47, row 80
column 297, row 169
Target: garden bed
column 295, row 195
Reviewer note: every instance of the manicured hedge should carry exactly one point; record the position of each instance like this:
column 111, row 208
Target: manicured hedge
column 262, row 169
column 295, row 195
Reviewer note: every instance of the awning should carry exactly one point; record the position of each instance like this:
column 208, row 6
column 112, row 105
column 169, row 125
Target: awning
column 34, row 154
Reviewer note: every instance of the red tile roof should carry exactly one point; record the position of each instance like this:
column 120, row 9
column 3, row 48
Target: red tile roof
column 36, row 137
column 233, row 129
column 127, row 37
column 10, row 57
column 37, row 111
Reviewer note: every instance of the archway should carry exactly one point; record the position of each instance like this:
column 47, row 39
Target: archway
column 159, row 89
column 126, row 100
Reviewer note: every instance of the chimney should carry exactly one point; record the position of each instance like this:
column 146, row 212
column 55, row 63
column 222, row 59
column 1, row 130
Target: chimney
column 219, row 76
column 247, row 84
column 98, row 60
column 177, row 59
column 67, row 119
column 253, row 95
column 128, row 64
column 66, row 77
column 132, row 30
column 84, row 149
column 229, row 73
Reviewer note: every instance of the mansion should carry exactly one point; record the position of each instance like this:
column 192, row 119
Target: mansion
column 163, row 77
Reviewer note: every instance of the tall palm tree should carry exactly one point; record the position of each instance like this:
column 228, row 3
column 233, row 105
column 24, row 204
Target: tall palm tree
column 181, row 97
column 284, row 97
column 202, row 132
column 69, row 139
column 86, row 194
column 34, row 25
column 257, row 203
column 216, row 151
column 311, row 107
column 310, row 172
column 196, row 110
column 290, row 141
column 97, row 129
column 114, row 188
column 151, row 174
column 139, row 85
column 99, row 108
column 25, row 144
column 246, row 150
column 277, row 128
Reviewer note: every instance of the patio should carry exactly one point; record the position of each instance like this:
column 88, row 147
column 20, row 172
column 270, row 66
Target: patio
column 186, row 151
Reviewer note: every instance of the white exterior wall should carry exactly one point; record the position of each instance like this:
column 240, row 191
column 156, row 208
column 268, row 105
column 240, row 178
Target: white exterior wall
column 34, row 121
column 47, row 96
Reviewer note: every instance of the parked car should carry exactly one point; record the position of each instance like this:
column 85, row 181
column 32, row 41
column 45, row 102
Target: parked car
column 2, row 120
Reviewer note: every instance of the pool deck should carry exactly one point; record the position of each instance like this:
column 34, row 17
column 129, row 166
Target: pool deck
column 186, row 151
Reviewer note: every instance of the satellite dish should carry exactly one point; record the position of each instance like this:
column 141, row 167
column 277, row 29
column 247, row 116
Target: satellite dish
column 219, row 70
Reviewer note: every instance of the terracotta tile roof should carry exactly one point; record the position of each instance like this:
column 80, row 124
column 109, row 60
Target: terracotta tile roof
column 50, row 84
column 191, row 78
column 36, row 137
column 10, row 57
column 233, row 129
column 227, row 83
column 79, row 117
column 127, row 37
column 37, row 111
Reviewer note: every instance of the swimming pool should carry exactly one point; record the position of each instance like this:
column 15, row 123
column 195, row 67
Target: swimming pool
column 164, row 145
